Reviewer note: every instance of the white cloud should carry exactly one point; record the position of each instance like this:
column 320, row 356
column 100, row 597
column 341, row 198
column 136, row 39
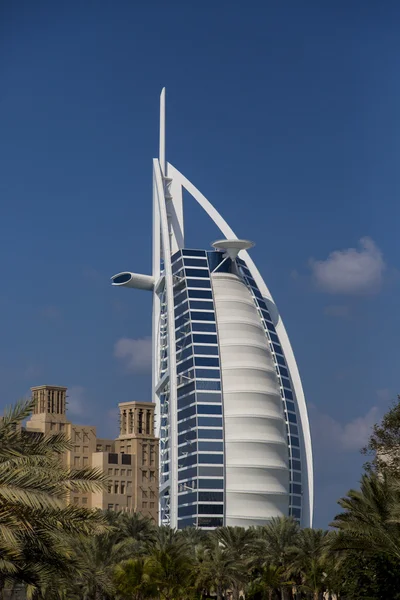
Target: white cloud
column 347, row 437
column 337, row 310
column 350, row 271
column 76, row 400
column 134, row 353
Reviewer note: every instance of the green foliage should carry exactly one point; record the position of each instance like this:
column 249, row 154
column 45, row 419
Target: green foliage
column 384, row 443
column 62, row 552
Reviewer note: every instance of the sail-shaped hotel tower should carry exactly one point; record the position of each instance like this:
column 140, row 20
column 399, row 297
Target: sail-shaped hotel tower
column 235, row 446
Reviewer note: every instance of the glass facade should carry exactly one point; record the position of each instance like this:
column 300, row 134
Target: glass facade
column 199, row 397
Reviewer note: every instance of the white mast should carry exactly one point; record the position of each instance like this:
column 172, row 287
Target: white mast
column 161, row 154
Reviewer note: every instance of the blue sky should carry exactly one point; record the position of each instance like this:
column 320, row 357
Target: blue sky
column 284, row 114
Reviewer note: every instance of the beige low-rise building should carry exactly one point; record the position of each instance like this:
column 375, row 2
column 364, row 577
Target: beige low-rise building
column 131, row 461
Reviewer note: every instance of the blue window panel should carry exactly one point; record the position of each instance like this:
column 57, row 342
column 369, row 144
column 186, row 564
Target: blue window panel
column 205, row 361
column 288, row 394
column 187, row 522
column 204, row 327
column 202, row 384
column 283, row 371
column 198, row 283
column 292, row 418
column 211, row 459
column 224, row 267
column 211, row 471
column 186, row 425
column 184, row 511
column 182, row 320
column 202, row 316
column 208, row 397
column 176, row 256
column 215, row 259
column 187, row 474
column 295, row 488
column 271, row 328
column 296, row 513
column 280, row 360
column 295, row 500
column 294, row 441
column 185, row 389
column 187, row 498
column 184, row 402
column 209, row 522
column 201, row 305
column 278, row 348
column 211, row 509
column 251, row 281
column 187, row 252
column 211, row 484
column 295, row 465
column 210, row 434
column 286, row 382
column 209, row 422
column 187, row 449
column 181, row 309
column 204, row 339
column 188, row 412
column 185, row 353
column 293, row 429
column 266, row 316
column 209, row 409
column 186, row 437
column 200, row 294
column 290, row 405
column 296, row 477
column 180, row 297
column 211, row 446
column 211, row 496
column 196, row 262
column 274, row 337
column 203, row 273
column 184, row 366
column 208, row 373
column 176, row 266
column 262, row 305
column 296, row 453
column 257, row 294
column 183, row 337
column 207, row 350
column 187, row 461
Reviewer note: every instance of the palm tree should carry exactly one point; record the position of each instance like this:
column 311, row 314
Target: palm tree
column 170, row 562
column 370, row 519
column 278, row 538
column 240, row 545
column 98, row 557
column 216, row 570
column 35, row 523
column 310, row 561
column 133, row 525
column 270, row 579
column 133, row 579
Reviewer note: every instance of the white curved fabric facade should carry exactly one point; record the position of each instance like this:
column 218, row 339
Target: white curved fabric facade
column 256, row 457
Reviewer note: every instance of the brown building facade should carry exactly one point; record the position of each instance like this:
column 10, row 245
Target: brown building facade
column 131, row 461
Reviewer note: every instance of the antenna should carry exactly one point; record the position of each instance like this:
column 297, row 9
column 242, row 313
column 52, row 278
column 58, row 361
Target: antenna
column 162, row 132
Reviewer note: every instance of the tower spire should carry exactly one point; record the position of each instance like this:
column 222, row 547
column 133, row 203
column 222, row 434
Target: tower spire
column 162, row 132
